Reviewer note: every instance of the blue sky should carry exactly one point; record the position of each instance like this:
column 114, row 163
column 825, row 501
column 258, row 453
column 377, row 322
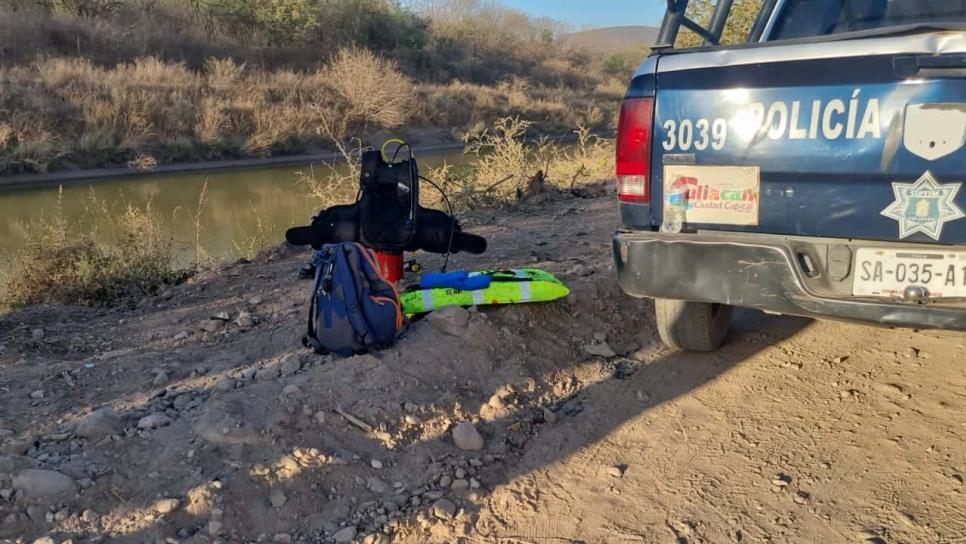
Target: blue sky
column 596, row 13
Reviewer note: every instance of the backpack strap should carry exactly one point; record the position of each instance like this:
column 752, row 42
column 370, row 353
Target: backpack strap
column 350, row 261
column 309, row 340
column 377, row 281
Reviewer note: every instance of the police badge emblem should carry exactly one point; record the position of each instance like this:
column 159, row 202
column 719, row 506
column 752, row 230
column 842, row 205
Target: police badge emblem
column 924, row 206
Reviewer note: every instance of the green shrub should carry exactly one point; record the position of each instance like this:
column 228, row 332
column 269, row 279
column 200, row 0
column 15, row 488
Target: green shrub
column 737, row 28
column 278, row 22
column 67, row 263
column 615, row 65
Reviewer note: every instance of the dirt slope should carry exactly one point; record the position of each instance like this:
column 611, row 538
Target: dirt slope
column 796, row 432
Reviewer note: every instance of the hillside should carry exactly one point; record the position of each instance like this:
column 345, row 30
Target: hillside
column 125, row 82
column 617, row 39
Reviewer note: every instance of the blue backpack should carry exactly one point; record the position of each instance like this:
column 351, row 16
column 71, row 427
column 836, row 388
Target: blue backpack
column 354, row 309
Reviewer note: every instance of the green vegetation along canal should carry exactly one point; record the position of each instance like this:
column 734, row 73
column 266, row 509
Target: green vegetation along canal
column 244, row 209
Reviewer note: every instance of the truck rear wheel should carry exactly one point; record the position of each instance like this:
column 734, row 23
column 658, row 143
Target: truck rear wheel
column 692, row 326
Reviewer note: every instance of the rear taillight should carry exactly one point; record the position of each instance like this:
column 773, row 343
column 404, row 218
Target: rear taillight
column 634, row 150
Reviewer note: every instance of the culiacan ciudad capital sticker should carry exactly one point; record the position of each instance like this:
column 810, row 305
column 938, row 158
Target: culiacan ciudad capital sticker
column 719, row 195
column 924, row 206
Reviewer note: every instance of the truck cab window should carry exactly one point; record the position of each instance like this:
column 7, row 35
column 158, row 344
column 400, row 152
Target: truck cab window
column 808, row 18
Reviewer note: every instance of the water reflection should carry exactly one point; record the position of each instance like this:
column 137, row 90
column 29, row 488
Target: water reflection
column 242, row 205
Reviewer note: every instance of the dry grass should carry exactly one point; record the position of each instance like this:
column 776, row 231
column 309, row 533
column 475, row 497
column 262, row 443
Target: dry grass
column 556, row 110
column 202, row 257
column 63, row 112
column 506, row 163
column 73, row 263
column 505, row 159
column 253, row 244
column 331, row 184
column 591, row 158
column 91, row 84
column 370, row 89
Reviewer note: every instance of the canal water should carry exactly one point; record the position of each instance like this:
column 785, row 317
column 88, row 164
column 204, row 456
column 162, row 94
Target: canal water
column 242, row 207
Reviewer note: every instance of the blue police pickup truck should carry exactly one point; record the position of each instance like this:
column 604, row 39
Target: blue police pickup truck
column 815, row 170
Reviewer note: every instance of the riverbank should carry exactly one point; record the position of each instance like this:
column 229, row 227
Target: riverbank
column 112, row 88
column 109, row 244
column 165, row 423
column 63, row 177
column 424, row 141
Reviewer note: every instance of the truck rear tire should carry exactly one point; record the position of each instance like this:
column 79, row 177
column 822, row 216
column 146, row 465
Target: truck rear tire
column 692, row 326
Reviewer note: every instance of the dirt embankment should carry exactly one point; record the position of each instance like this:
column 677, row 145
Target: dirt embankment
column 423, row 141
column 142, row 426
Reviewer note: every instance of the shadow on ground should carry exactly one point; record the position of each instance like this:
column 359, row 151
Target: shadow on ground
column 324, row 473
column 260, row 443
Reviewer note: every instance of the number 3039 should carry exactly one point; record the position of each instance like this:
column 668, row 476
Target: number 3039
column 695, row 134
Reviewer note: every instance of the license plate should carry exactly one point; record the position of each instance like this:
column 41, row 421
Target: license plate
column 888, row 272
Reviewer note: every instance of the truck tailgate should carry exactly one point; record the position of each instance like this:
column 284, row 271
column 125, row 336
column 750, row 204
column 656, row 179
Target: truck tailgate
column 858, row 139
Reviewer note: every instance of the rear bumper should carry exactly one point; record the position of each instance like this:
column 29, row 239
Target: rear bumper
column 755, row 271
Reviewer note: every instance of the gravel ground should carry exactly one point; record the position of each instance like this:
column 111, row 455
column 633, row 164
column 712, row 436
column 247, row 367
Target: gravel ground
column 198, row 418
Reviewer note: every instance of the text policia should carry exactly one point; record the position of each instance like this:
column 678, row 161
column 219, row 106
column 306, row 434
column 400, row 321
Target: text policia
column 795, row 120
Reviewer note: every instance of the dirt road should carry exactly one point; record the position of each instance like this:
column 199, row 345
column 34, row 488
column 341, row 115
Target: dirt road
column 797, row 431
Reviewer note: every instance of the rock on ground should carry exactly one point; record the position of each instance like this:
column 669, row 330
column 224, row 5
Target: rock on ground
column 224, row 385
column 15, row 447
column 602, row 349
column 166, row 506
column 11, row 463
column 378, row 486
column 444, row 509
column 211, row 325
column 452, row 320
column 40, row 483
column 153, row 421
column 345, row 536
column 230, row 421
column 99, row 424
column 277, row 498
column 466, row 437
column 268, row 373
column 245, row 320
